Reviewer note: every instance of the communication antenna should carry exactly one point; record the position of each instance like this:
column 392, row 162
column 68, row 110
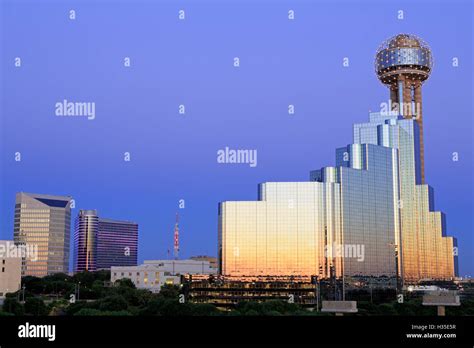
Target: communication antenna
column 176, row 238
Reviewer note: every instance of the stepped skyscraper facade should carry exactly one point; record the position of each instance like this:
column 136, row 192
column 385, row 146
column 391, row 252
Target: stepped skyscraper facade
column 372, row 215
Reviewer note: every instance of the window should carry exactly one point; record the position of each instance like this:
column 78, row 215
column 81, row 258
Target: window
column 3, row 269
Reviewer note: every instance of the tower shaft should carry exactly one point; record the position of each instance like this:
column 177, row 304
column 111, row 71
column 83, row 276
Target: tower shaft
column 403, row 63
column 406, row 98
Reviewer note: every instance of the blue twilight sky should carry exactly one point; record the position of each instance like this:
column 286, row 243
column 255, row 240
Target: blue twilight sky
column 190, row 62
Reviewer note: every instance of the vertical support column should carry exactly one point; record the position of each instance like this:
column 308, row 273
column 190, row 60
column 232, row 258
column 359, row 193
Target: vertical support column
column 407, row 111
column 400, row 84
column 419, row 120
column 394, row 98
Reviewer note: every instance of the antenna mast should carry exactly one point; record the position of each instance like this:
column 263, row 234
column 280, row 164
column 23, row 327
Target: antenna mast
column 176, row 238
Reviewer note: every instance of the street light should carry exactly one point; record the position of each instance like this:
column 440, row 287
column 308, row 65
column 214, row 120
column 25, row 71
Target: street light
column 24, row 287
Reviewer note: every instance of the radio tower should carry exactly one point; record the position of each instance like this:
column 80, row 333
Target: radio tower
column 403, row 63
column 176, row 238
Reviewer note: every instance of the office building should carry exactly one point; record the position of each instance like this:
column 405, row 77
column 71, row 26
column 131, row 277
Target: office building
column 117, row 243
column 345, row 220
column 228, row 292
column 102, row 243
column 212, row 260
column 85, row 241
column 45, row 222
column 425, row 250
column 153, row 274
column 372, row 215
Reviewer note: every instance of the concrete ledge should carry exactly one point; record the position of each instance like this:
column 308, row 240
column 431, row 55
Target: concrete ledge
column 441, row 300
column 339, row 306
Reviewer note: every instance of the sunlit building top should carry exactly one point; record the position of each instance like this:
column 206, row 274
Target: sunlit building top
column 371, row 215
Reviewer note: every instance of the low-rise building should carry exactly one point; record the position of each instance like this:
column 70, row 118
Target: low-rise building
column 227, row 292
column 212, row 260
column 10, row 267
column 153, row 274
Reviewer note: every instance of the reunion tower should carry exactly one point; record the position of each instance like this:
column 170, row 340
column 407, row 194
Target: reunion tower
column 403, row 63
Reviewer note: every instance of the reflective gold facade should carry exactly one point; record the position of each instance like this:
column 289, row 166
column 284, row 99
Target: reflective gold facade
column 284, row 233
column 374, row 203
column 43, row 221
column 426, row 251
column 345, row 221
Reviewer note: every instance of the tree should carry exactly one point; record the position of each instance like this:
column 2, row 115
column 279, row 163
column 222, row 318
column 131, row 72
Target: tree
column 249, row 306
column 57, row 277
column 33, row 285
column 102, row 275
column 169, row 291
column 58, row 308
column 171, row 307
column 96, row 312
column 282, row 307
column 113, row 303
column 85, row 278
column 88, row 312
column 97, row 288
column 11, row 305
column 35, row 306
column 73, row 308
column 125, row 282
column 136, row 297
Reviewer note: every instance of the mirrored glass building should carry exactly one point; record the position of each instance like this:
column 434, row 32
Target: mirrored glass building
column 85, row 241
column 101, row 243
column 43, row 222
column 117, row 243
column 371, row 215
